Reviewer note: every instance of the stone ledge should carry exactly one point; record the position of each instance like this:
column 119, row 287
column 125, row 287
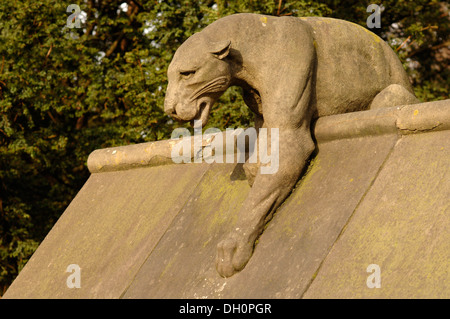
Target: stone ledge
column 401, row 120
column 405, row 119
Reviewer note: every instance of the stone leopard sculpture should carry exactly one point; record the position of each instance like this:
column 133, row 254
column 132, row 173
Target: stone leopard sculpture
column 292, row 71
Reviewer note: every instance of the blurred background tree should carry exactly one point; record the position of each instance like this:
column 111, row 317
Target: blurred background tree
column 65, row 92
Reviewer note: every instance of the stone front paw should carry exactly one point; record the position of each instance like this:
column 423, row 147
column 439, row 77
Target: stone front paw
column 232, row 255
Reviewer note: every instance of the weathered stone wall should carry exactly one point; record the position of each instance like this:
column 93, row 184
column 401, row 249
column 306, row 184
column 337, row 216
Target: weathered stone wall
column 377, row 192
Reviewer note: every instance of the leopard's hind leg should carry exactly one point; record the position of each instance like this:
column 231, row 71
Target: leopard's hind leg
column 393, row 95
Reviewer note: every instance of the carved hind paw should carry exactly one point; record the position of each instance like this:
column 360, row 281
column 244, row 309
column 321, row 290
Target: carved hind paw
column 232, row 255
column 393, row 95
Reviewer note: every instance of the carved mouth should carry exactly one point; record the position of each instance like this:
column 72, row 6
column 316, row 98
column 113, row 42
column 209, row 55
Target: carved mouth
column 203, row 114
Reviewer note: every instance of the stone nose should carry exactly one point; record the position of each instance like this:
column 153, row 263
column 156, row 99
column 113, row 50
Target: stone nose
column 170, row 110
column 169, row 106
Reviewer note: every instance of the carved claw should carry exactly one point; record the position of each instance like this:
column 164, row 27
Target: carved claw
column 232, row 255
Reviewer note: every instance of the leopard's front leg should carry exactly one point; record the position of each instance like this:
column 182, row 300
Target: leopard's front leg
column 266, row 195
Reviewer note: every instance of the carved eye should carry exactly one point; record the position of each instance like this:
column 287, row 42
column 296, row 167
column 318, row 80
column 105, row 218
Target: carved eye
column 187, row 74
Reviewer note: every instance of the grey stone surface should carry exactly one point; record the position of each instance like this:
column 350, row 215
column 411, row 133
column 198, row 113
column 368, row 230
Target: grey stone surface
column 402, row 226
column 109, row 229
column 294, row 243
column 183, row 263
column 379, row 196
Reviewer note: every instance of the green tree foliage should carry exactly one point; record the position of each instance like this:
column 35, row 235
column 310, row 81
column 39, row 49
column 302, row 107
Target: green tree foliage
column 67, row 91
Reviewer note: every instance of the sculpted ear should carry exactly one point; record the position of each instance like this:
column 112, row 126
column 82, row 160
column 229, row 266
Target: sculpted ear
column 220, row 49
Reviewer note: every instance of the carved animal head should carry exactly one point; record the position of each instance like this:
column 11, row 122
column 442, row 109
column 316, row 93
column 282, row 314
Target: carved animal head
column 198, row 75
